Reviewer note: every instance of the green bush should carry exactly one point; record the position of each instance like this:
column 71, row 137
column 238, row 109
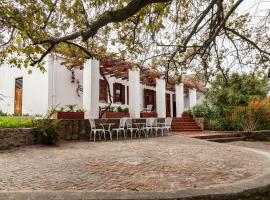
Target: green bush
column 2, row 113
column 47, row 129
column 15, row 123
column 201, row 110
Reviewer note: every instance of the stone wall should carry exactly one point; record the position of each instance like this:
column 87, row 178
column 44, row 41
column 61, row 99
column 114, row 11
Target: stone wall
column 257, row 135
column 79, row 129
column 68, row 129
column 16, row 137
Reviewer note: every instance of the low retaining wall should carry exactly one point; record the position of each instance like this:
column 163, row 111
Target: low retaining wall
column 257, row 135
column 79, row 129
column 16, row 137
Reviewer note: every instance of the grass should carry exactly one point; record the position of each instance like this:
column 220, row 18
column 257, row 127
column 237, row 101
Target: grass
column 15, row 123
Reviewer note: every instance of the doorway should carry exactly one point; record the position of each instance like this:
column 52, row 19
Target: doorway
column 18, row 96
column 174, row 105
column 168, row 105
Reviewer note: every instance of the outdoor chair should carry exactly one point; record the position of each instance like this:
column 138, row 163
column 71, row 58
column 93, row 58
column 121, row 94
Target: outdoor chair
column 121, row 128
column 156, row 127
column 148, row 126
column 167, row 125
column 148, row 108
column 95, row 130
column 131, row 129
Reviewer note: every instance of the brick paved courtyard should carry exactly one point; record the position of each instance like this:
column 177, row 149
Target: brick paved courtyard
column 154, row 164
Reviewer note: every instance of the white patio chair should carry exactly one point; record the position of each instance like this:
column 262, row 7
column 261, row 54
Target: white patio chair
column 148, row 126
column 148, row 108
column 131, row 129
column 121, row 128
column 156, row 127
column 167, row 125
column 95, row 130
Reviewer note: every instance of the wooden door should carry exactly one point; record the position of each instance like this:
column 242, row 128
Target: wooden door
column 18, row 96
column 18, row 102
column 168, row 105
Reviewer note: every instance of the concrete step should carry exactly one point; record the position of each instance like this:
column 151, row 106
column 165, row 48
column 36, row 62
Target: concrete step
column 187, row 130
column 226, row 139
column 218, row 135
column 184, row 123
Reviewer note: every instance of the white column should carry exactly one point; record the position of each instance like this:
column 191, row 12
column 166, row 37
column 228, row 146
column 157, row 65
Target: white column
column 179, row 98
column 161, row 97
column 91, row 89
column 192, row 97
column 134, row 93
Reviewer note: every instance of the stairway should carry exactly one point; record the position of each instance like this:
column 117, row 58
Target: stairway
column 185, row 124
column 221, row 137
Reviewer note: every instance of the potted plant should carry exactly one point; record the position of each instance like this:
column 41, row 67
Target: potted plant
column 69, row 112
column 148, row 114
column 117, row 112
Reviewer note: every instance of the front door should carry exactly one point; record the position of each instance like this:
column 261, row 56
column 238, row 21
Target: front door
column 18, row 96
column 168, row 105
column 174, row 106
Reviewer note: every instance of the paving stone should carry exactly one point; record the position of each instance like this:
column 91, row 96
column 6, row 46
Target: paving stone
column 154, row 164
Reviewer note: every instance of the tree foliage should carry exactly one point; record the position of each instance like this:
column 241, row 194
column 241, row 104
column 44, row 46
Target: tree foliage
column 229, row 104
column 238, row 89
column 204, row 36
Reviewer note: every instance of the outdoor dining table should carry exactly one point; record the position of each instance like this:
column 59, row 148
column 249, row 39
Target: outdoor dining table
column 107, row 127
column 140, row 127
column 160, row 124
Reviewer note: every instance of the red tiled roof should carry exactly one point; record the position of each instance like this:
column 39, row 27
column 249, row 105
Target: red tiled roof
column 119, row 68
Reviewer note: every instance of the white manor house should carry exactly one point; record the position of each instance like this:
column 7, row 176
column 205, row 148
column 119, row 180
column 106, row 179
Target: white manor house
column 136, row 89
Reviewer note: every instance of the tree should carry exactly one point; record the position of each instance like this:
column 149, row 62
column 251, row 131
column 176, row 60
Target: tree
column 239, row 89
column 227, row 103
column 201, row 35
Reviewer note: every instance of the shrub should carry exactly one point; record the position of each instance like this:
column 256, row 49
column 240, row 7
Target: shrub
column 47, row 129
column 201, row 110
column 2, row 113
column 126, row 110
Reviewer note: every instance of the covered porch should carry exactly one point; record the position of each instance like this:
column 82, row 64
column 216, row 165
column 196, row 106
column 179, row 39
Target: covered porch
column 140, row 92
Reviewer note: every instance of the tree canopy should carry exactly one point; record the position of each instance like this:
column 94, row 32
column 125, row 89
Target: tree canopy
column 237, row 90
column 204, row 36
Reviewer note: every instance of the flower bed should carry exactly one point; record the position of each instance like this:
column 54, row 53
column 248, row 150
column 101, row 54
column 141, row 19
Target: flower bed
column 116, row 115
column 148, row 114
column 68, row 115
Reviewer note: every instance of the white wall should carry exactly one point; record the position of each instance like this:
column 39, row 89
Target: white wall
column 35, row 90
column 41, row 91
column 61, row 90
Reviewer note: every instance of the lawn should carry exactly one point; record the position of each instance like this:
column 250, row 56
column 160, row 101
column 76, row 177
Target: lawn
column 15, row 123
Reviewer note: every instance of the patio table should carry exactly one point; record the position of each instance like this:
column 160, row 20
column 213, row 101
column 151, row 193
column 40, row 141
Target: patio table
column 161, row 124
column 140, row 127
column 107, row 127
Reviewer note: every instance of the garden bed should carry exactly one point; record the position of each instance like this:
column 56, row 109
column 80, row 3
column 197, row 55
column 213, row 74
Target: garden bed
column 68, row 115
column 148, row 114
column 115, row 115
column 15, row 123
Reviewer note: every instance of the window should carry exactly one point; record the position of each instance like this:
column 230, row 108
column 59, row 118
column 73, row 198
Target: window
column 103, row 91
column 118, row 93
column 149, row 98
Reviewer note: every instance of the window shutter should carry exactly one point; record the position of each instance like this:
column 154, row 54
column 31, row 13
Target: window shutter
column 103, row 91
column 114, row 92
column 127, row 95
column 123, row 94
